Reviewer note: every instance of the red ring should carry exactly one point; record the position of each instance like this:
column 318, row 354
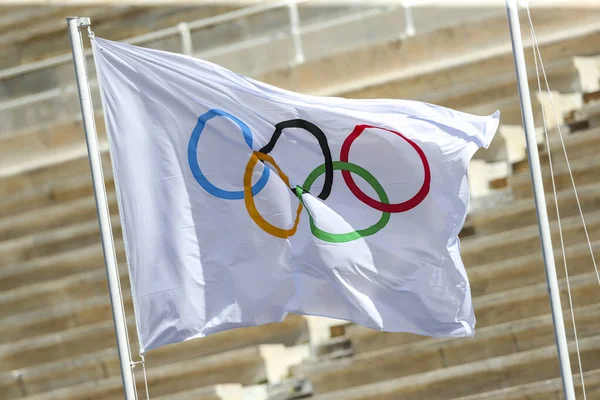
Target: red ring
column 391, row 208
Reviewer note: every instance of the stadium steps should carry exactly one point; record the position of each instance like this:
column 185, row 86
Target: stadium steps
column 579, row 142
column 409, row 57
column 521, row 212
column 580, row 136
column 50, row 242
column 104, row 363
column 289, row 389
column 474, row 377
column 272, row 25
column 73, row 341
column 55, row 292
column 60, row 169
column 550, row 389
column 432, row 52
column 47, row 218
column 51, row 193
column 247, row 366
column 87, row 342
column 46, row 37
column 585, row 170
column 230, row 391
column 528, row 269
column 80, row 342
column 60, row 318
column 57, row 266
column 520, row 241
column 38, row 147
column 56, row 335
column 413, row 358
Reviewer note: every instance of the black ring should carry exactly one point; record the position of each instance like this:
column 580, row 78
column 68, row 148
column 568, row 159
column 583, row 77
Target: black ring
column 321, row 138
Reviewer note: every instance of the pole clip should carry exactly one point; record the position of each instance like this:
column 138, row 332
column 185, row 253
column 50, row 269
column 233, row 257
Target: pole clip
column 83, row 22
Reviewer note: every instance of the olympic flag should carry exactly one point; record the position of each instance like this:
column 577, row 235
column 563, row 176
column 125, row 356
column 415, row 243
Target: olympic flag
column 242, row 202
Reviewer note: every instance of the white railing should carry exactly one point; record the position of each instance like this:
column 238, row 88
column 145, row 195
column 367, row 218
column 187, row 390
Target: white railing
column 183, row 30
column 54, row 103
column 59, row 67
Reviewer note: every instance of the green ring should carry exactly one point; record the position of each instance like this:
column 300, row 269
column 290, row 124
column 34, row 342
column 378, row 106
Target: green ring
column 345, row 237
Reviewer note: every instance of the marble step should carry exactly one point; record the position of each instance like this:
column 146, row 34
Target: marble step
column 72, row 165
column 251, row 365
column 580, row 144
column 474, row 377
column 506, row 306
column 543, row 390
column 59, row 317
column 522, row 212
column 89, row 352
column 430, row 354
column 46, row 243
column 49, row 194
column 56, row 266
column 585, row 171
column 57, row 292
column 52, row 217
column 484, row 249
column 231, row 391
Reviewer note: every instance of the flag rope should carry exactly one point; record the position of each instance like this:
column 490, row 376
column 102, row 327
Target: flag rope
column 143, row 362
column 566, row 157
column 537, row 54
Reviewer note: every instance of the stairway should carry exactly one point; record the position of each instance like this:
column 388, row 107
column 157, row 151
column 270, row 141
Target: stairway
column 56, row 331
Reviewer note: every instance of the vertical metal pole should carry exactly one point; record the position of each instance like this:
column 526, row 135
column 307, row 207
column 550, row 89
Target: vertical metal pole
column 110, row 258
column 295, row 31
column 186, row 39
column 409, row 24
column 540, row 200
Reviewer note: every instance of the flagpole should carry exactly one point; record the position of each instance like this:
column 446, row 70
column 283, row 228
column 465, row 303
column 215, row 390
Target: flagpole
column 540, row 200
column 110, row 258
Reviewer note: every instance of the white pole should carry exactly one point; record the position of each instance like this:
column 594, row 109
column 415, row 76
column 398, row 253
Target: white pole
column 110, row 258
column 186, row 39
column 540, row 199
column 295, row 31
column 409, row 23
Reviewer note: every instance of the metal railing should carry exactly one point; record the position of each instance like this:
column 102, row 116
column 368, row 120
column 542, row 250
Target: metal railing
column 59, row 68
column 182, row 30
column 54, row 102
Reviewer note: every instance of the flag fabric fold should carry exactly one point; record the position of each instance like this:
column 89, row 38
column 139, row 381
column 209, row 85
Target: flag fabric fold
column 242, row 202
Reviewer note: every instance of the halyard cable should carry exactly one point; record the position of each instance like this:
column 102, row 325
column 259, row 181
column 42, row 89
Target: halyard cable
column 536, row 54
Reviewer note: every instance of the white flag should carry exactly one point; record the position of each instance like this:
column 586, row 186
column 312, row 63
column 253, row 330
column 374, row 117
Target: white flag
column 242, row 202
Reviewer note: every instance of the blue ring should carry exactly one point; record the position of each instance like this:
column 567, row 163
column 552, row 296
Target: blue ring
column 193, row 157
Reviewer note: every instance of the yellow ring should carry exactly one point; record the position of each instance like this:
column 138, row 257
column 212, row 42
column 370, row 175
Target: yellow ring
column 249, row 198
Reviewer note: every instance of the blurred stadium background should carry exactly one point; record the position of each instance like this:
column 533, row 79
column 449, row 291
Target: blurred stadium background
column 56, row 331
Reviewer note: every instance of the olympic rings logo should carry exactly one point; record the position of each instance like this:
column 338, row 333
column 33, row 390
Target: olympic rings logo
column 327, row 168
